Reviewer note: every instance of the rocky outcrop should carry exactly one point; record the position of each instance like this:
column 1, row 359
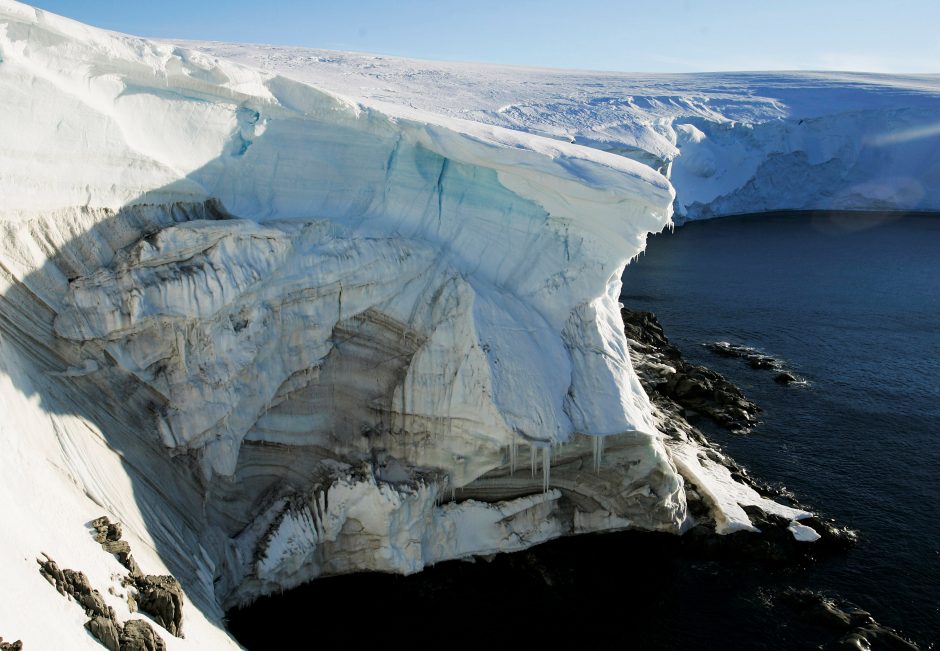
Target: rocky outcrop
column 782, row 539
column 664, row 372
column 139, row 636
column 75, row 585
column 108, row 534
column 161, row 596
column 756, row 360
column 103, row 624
column 849, row 627
column 106, row 630
column 644, row 327
column 776, row 543
column 11, row 646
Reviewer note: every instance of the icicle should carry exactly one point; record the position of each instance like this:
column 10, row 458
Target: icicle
column 512, row 454
column 598, row 452
column 546, row 467
column 532, row 459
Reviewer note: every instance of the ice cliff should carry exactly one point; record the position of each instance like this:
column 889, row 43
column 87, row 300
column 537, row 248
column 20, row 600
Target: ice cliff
column 730, row 142
column 280, row 333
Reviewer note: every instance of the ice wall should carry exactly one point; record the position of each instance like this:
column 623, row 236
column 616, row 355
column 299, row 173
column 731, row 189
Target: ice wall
column 855, row 159
column 532, row 233
column 285, row 328
column 730, row 142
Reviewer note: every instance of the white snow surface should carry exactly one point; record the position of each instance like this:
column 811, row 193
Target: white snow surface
column 731, row 142
column 272, row 317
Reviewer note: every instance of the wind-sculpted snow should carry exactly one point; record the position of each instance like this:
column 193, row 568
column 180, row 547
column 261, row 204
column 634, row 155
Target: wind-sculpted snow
column 730, row 142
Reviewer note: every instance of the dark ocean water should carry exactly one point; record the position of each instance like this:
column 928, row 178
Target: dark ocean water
column 852, row 304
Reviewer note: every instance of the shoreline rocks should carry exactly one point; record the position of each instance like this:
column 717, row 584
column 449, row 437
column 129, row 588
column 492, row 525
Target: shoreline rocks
column 850, row 627
column 756, row 360
column 691, row 386
column 775, row 544
column 675, row 385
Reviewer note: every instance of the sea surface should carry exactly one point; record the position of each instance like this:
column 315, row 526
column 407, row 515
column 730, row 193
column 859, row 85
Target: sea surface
column 851, row 304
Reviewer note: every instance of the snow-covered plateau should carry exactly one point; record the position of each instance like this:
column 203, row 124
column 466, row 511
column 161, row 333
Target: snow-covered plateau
column 289, row 313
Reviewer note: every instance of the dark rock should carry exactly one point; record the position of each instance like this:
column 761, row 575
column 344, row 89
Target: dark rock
column 708, row 393
column 748, row 354
column 852, row 627
column 161, row 597
column 10, row 646
column 116, row 547
column 762, row 363
column 824, row 611
column 100, row 525
column 875, row 637
column 675, row 385
column 108, row 534
column 138, row 635
column 77, row 586
column 686, row 388
column 127, row 560
column 755, row 360
column 77, row 582
column 115, row 531
column 94, row 604
column 857, row 616
column 105, row 631
column 51, row 572
column 644, row 327
column 831, row 537
column 774, row 545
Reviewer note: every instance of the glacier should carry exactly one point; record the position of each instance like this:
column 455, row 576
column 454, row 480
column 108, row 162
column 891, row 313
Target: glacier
column 283, row 328
column 731, row 143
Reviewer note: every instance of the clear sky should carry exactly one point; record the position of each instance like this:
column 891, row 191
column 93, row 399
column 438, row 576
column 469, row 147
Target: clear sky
column 650, row 36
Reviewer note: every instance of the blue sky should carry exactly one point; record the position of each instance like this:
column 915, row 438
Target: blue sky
column 651, row 36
